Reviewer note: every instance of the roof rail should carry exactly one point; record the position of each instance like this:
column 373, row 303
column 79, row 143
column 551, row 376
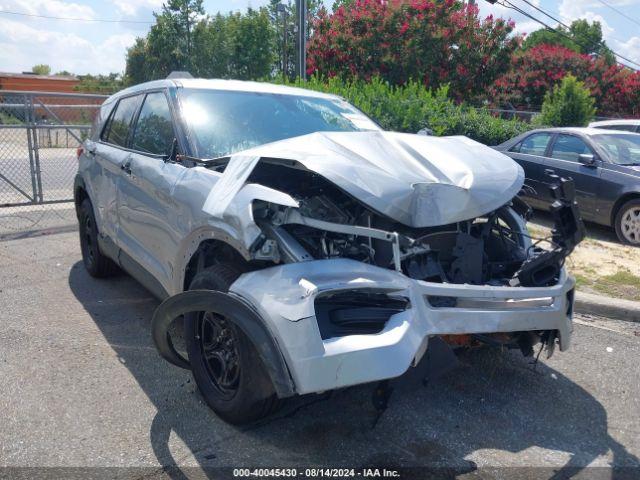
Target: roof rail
column 179, row 74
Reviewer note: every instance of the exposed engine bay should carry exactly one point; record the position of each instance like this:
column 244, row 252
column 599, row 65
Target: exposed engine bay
column 360, row 251
column 494, row 249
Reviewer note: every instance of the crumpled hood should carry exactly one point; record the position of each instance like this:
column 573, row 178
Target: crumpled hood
column 417, row 180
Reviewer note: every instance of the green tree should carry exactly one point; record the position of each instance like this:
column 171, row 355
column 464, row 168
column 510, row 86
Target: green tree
column 581, row 37
column 182, row 15
column 212, row 55
column 233, row 45
column 549, row 37
column 589, row 38
column 569, row 104
column 236, row 45
column 168, row 46
column 104, row 84
column 342, row 3
column 252, row 44
column 284, row 24
column 41, row 69
column 136, row 69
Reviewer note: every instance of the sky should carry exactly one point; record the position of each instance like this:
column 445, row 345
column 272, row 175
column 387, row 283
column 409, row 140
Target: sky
column 92, row 47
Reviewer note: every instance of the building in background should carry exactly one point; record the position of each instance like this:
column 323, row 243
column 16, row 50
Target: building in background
column 27, row 81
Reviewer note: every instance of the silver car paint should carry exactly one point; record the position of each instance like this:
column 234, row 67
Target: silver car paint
column 284, row 296
column 417, row 180
column 159, row 216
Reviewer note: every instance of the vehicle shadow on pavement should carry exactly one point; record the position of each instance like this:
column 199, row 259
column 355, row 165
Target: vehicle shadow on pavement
column 493, row 405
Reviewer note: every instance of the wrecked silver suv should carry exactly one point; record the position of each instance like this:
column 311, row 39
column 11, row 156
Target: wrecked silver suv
column 305, row 248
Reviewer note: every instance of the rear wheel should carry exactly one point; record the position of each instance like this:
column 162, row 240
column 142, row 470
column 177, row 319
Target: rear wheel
column 627, row 222
column 225, row 364
column 97, row 264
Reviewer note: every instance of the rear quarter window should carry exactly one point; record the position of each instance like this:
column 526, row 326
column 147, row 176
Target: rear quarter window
column 98, row 125
column 116, row 131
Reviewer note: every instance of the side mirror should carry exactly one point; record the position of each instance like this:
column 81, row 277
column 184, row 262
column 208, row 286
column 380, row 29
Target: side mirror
column 587, row 159
column 425, row 131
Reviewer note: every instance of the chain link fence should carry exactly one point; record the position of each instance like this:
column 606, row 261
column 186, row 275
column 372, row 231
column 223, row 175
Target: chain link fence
column 528, row 115
column 39, row 135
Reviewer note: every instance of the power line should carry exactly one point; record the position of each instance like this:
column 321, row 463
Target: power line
column 563, row 24
column 508, row 4
column 74, row 19
column 620, row 12
column 574, row 40
column 545, row 13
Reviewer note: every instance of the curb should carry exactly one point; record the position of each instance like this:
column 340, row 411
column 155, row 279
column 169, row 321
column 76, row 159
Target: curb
column 615, row 308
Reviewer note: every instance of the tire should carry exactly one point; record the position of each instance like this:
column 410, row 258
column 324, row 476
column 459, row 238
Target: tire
column 231, row 378
column 97, row 264
column 627, row 222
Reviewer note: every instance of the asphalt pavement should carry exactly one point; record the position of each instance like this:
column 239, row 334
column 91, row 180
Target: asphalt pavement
column 82, row 386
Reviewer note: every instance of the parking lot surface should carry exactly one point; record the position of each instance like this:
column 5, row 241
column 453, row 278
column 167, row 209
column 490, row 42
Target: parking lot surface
column 82, row 386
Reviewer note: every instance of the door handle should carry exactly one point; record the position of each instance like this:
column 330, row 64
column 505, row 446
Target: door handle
column 126, row 167
column 549, row 171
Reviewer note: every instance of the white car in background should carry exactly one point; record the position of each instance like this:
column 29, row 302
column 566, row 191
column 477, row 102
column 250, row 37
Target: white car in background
column 632, row 125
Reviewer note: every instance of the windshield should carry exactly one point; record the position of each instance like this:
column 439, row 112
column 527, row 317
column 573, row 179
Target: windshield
column 623, row 149
column 224, row 122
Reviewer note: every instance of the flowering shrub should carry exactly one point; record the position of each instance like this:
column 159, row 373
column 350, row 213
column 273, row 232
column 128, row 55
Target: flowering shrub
column 619, row 92
column 537, row 70
column 428, row 41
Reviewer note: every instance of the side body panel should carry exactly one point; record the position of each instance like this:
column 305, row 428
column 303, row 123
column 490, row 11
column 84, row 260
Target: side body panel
column 533, row 166
column 532, row 162
column 164, row 221
column 148, row 213
column 90, row 170
column 617, row 182
column 103, row 176
column 193, row 224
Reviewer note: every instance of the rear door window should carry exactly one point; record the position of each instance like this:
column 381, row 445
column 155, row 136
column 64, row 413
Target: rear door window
column 117, row 129
column 154, row 129
column 569, row 147
column 535, row 144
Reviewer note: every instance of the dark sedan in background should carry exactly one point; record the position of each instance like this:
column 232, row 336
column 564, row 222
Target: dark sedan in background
column 605, row 165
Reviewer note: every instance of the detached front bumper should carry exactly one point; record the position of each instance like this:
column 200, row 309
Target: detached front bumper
column 285, row 296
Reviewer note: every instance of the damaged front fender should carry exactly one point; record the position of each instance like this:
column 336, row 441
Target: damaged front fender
column 229, row 306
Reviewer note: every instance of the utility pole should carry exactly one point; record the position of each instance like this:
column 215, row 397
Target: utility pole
column 301, row 39
column 281, row 8
column 187, row 22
